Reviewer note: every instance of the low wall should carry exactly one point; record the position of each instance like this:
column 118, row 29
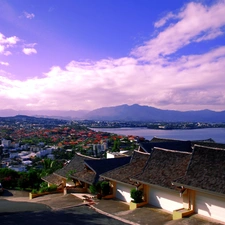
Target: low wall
column 32, row 195
column 76, row 190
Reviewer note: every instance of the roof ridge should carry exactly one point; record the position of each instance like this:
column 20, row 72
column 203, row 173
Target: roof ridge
column 171, row 150
column 144, row 153
column 86, row 156
column 170, row 139
column 208, row 147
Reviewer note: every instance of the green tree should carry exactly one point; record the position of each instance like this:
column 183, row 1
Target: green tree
column 136, row 195
column 116, row 145
column 51, row 166
column 8, row 177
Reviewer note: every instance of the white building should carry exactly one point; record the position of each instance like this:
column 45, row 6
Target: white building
column 6, row 143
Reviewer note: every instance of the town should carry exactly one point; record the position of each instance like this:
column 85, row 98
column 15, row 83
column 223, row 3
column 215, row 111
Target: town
column 41, row 155
column 27, row 140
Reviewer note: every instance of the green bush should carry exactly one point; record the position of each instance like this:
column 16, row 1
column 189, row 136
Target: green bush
column 8, row 177
column 52, row 188
column 43, row 189
column 136, row 195
column 105, row 188
column 34, row 191
column 93, row 189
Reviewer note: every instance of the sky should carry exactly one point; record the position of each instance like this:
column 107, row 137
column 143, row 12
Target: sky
column 88, row 54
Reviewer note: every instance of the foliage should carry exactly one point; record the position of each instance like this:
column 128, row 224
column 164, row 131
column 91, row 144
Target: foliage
column 93, row 189
column 136, row 195
column 8, row 177
column 105, row 188
column 34, row 191
column 53, row 187
column 101, row 187
column 116, row 145
column 63, row 154
column 50, row 166
column 22, row 180
column 45, row 188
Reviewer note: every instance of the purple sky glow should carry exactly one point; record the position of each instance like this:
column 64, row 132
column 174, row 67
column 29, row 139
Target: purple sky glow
column 87, row 54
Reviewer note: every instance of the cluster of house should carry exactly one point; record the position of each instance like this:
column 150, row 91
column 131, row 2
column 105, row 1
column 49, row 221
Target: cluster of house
column 178, row 176
column 17, row 157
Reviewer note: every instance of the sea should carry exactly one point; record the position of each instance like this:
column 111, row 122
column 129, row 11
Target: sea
column 217, row 134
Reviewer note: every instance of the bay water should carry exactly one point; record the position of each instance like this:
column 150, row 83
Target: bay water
column 217, row 134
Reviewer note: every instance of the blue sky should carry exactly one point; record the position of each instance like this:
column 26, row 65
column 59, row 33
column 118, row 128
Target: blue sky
column 86, row 54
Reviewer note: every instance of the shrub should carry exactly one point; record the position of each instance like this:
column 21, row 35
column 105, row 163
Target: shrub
column 43, row 189
column 136, row 195
column 93, row 189
column 105, row 187
column 34, row 191
column 44, row 184
column 52, row 188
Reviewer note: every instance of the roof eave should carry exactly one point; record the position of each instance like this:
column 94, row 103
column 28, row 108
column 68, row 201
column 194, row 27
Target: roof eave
column 199, row 189
column 111, row 179
column 150, row 184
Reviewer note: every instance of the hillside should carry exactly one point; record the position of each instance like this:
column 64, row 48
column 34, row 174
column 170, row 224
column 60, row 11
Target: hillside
column 126, row 113
column 146, row 113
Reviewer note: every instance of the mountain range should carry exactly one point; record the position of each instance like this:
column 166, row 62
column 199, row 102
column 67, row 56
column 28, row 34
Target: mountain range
column 125, row 113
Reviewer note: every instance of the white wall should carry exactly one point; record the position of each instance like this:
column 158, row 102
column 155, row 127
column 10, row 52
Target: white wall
column 165, row 198
column 123, row 192
column 210, row 206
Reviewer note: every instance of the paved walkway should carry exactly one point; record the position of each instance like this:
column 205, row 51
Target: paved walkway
column 146, row 215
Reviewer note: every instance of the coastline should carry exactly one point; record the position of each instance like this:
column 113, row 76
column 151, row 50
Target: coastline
column 217, row 134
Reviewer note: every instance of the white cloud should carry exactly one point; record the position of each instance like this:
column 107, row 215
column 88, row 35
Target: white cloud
column 195, row 81
column 10, row 40
column 28, row 15
column 210, row 35
column 31, row 45
column 29, row 51
column 2, row 48
column 7, row 42
column 164, row 20
column 4, row 63
column 6, row 53
column 152, row 77
column 196, row 23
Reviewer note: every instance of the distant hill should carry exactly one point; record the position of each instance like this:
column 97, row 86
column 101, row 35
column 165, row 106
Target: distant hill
column 57, row 114
column 126, row 113
column 147, row 113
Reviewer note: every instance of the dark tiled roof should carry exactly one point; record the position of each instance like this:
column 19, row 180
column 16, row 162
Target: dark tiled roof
column 206, row 170
column 184, row 146
column 123, row 173
column 76, row 164
column 86, row 175
column 103, row 165
column 53, row 179
column 163, row 167
column 208, row 144
column 97, row 167
column 158, row 139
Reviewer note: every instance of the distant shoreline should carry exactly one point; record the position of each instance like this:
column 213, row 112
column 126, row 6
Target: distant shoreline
column 217, row 134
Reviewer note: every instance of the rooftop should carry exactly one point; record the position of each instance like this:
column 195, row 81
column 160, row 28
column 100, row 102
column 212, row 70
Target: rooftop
column 134, row 167
column 206, row 170
column 93, row 168
column 53, row 179
column 184, row 146
column 163, row 167
column 76, row 165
